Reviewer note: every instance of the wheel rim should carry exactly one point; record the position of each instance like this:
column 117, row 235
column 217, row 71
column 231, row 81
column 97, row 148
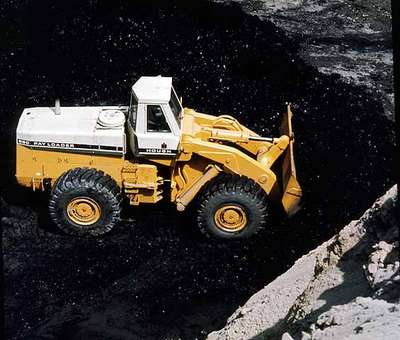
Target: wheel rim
column 83, row 211
column 230, row 218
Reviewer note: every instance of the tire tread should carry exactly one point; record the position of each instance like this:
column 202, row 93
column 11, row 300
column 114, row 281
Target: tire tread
column 235, row 185
column 91, row 179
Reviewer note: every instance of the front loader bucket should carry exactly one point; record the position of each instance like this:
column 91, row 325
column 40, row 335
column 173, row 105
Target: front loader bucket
column 290, row 186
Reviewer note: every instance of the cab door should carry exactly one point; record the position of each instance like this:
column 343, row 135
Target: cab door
column 156, row 134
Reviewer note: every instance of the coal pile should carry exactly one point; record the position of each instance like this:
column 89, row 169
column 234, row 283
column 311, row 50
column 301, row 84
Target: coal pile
column 161, row 275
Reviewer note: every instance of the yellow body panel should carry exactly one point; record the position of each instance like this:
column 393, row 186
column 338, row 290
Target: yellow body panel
column 37, row 165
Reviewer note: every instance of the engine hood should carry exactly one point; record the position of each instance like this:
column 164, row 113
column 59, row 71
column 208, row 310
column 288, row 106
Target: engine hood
column 91, row 129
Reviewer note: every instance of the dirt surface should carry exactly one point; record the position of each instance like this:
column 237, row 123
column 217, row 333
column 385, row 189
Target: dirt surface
column 156, row 277
column 349, row 287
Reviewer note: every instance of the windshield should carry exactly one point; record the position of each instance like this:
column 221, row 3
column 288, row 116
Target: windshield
column 176, row 107
column 133, row 110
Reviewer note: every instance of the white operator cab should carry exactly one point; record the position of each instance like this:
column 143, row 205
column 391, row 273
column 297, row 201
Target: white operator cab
column 154, row 121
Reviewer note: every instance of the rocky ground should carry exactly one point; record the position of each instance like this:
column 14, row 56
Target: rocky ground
column 352, row 38
column 347, row 288
column 156, row 277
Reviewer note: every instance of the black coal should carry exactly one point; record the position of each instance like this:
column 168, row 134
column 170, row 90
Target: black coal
column 159, row 274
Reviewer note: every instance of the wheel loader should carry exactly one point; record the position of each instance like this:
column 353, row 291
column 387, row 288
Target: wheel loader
column 91, row 159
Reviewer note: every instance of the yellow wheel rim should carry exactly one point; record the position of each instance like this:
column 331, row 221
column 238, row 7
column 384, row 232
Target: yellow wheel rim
column 83, row 211
column 230, row 218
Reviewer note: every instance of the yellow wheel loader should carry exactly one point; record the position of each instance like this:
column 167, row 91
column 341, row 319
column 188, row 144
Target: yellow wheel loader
column 90, row 159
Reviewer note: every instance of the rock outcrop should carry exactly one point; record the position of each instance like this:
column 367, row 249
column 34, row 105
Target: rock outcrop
column 347, row 287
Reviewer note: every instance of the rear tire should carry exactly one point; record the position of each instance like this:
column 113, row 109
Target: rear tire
column 232, row 207
column 85, row 202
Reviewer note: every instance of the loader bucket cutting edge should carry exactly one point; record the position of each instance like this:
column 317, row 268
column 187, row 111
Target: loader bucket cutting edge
column 291, row 189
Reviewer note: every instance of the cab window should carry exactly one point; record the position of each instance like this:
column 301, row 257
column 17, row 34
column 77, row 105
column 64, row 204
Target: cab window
column 176, row 106
column 156, row 121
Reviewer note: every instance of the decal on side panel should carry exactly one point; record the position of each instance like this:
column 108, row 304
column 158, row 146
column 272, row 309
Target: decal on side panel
column 69, row 146
column 156, row 151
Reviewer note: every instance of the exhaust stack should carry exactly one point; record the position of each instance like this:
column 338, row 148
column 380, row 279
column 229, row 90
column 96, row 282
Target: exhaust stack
column 57, row 107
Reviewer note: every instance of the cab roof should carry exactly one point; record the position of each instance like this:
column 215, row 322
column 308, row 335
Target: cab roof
column 153, row 89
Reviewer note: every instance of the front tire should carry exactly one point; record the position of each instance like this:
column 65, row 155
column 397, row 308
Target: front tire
column 232, row 207
column 85, row 202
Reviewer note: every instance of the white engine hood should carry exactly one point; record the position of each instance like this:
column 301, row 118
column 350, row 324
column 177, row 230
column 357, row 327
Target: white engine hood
column 74, row 128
